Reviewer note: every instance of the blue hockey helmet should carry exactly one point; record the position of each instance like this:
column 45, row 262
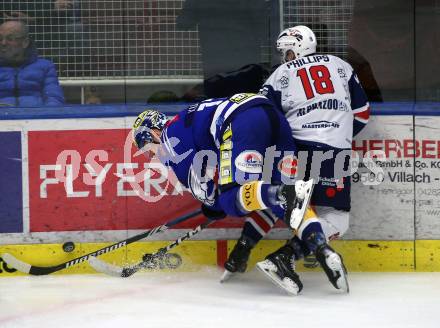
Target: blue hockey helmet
column 143, row 125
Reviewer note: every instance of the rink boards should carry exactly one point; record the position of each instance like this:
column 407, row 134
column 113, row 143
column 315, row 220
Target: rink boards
column 71, row 175
column 359, row 256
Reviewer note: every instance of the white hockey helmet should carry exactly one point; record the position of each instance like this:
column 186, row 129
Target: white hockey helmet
column 299, row 39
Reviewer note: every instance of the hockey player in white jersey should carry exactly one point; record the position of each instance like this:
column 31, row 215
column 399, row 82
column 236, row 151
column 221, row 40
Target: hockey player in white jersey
column 325, row 106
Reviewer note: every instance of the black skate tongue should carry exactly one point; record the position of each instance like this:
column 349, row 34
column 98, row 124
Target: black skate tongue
column 290, row 195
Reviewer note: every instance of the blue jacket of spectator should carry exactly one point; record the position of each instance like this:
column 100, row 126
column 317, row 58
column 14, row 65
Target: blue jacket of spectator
column 33, row 83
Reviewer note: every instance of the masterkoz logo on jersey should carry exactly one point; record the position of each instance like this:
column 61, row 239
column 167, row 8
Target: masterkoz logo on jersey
column 249, row 161
column 330, row 104
column 320, row 125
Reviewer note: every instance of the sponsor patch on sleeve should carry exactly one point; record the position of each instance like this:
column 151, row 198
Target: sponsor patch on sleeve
column 249, row 161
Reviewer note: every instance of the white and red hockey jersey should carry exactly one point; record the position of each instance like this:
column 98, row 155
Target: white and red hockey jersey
column 322, row 99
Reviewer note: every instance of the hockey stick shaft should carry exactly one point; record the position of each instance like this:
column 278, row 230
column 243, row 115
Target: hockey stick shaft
column 112, row 270
column 38, row 270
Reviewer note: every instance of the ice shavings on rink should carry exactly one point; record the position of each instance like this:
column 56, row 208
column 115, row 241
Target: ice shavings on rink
column 197, row 299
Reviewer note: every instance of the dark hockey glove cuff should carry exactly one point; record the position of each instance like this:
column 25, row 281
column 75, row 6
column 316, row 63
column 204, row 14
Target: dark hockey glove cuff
column 213, row 214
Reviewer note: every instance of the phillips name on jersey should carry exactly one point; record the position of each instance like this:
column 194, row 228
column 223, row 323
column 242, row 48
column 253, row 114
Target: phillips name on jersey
column 319, row 94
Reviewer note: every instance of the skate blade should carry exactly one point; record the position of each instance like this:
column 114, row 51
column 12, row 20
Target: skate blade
column 287, row 285
column 334, row 262
column 227, row 275
column 343, row 284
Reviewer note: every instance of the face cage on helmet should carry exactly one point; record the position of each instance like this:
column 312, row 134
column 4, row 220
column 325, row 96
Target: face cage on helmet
column 282, row 55
column 143, row 136
column 282, row 52
column 284, row 47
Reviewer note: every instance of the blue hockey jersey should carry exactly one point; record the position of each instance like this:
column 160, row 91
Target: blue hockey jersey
column 229, row 136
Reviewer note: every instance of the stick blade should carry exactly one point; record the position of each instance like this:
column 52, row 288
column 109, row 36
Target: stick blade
column 104, row 267
column 15, row 263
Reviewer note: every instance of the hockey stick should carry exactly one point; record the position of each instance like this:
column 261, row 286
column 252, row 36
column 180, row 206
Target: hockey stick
column 116, row 271
column 38, row 270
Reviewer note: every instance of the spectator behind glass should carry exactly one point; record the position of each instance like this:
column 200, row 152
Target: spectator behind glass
column 55, row 27
column 25, row 79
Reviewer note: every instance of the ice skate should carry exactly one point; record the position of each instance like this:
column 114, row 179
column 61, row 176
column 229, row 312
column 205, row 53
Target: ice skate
column 297, row 199
column 333, row 266
column 303, row 191
column 280, row 268
column 237, row 260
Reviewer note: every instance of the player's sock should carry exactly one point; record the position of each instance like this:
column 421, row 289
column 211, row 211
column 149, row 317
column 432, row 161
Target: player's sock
column 312, row 235
column 257, row 225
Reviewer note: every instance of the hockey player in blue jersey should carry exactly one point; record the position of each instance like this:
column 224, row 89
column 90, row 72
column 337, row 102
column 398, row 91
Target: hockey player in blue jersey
column 250, row 144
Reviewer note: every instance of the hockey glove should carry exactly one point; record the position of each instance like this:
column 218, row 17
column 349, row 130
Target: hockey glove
column 213, row 213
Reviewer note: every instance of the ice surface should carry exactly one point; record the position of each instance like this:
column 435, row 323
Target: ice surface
column 197, row 299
